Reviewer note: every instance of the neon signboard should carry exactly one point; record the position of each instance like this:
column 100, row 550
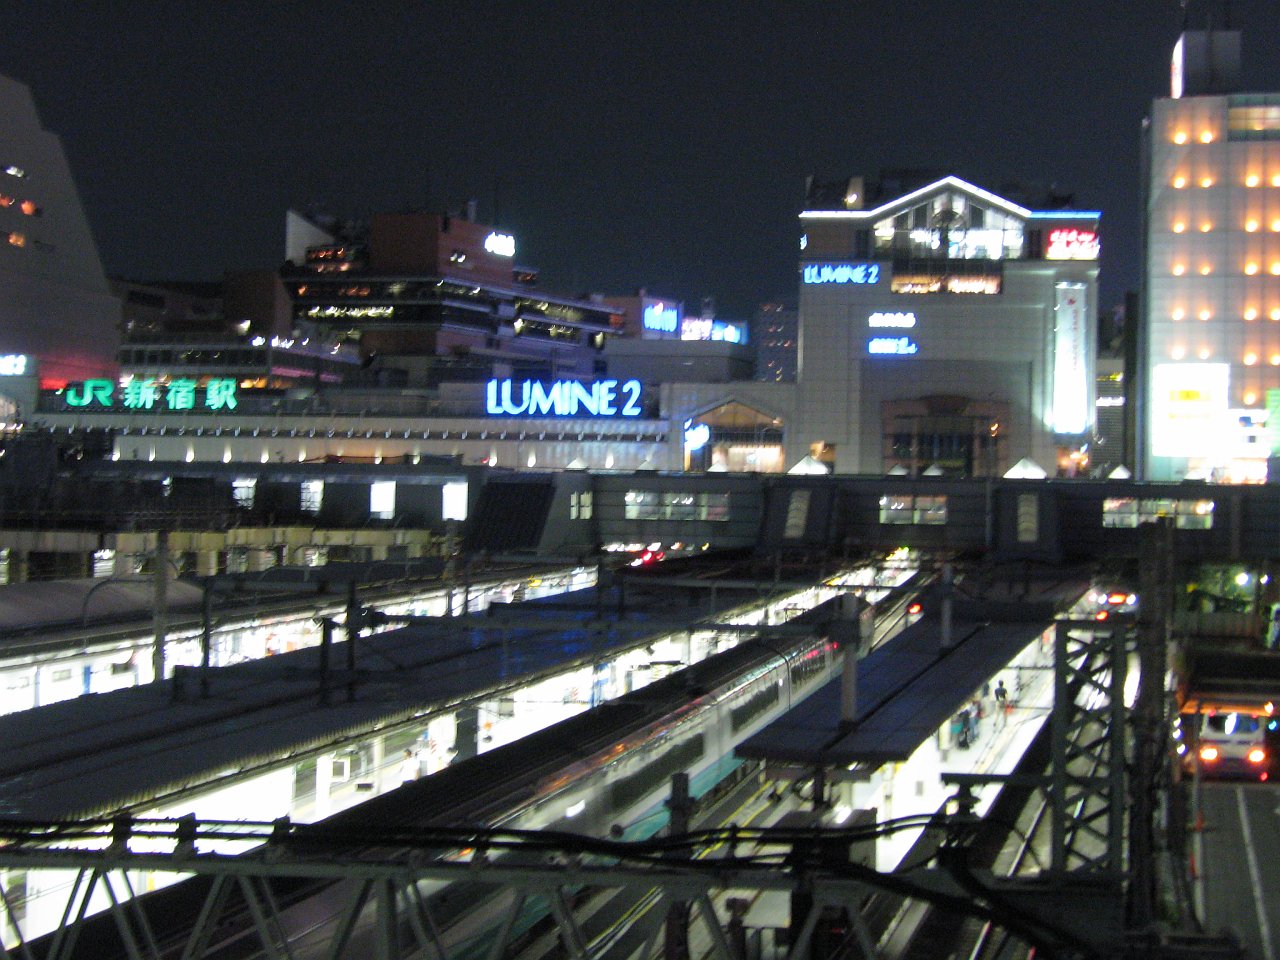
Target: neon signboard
column 1068, row 243
column 13, row 365
column 658, row 316
column 702, row 328
column 892, row 346
column 501, row 244
column 904, row 320
column 179, row 394
column 867, row 273
column 562, row 398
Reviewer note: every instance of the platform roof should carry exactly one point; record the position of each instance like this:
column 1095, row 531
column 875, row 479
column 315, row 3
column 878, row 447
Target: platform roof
column 906, row 688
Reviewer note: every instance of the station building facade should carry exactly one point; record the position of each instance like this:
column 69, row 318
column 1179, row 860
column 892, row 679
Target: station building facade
column 1211, row 352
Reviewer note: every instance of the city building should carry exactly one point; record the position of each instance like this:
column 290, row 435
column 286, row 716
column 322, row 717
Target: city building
column 1211, row 351
column 944, row 329
column 60, row 319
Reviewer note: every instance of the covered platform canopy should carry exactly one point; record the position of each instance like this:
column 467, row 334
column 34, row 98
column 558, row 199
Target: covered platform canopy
column 909, row 686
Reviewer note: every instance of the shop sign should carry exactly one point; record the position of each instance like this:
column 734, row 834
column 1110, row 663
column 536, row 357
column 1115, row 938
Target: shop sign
column 861, row 273
column 13, row 365
column 177, row 395
column 500, row 244
column 1068, row 243
column 904, row 320
column 1189, row 409
column 658, row 316
column 892, row 346
column 563, row 398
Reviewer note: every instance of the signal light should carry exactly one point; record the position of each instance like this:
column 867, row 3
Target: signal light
column 1208, row 753
column 1101, row 615
column 915, row 608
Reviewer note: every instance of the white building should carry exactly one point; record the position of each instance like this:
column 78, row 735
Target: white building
column 1212, row 272
column 944, row 328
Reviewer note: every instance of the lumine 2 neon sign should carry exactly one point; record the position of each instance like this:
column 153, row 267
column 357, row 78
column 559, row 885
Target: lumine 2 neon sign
column 563, row 398
column 179, row 394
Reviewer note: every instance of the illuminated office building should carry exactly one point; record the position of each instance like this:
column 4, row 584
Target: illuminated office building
column 58, row 319
column 1212, row 272
column 944, row 329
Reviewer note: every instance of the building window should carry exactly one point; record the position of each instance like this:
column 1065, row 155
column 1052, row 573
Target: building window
column 908, row 509
column 1130, row 512
column 312, row 496
column 1028, row 518
column 651, row 505
column 382, row 500
column 797, row 514
column 243, row 492
column 580, row 505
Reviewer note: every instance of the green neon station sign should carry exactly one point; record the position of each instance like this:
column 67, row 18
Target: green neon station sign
column 181, row 394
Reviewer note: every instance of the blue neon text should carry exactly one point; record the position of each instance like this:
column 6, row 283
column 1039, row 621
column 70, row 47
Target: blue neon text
column 563, row 398
column 900, row 346
column 842, row 273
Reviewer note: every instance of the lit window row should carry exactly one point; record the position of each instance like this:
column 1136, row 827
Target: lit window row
column 1183, row 136
column 1250, row 269
column 29, row 207
column 15, row 239
column 1205, row 313
column 1252, row 225
column 1181, row 181
column 1250, row 358
column 1251, row 180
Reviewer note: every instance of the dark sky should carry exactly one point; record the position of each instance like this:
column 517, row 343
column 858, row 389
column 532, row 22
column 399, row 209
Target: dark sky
column 626, row 144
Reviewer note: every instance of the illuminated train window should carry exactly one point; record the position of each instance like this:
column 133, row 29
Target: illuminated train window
column 1130, row 512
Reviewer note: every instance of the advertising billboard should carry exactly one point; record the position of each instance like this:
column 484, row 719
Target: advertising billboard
column 1188, row 409
column 1071, row 368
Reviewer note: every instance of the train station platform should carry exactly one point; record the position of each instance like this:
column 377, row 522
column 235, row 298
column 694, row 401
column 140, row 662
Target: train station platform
column 464, row 683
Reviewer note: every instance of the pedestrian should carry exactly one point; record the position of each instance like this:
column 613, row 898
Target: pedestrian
column 966, row 729
column 408, row 767
column 1001, row 693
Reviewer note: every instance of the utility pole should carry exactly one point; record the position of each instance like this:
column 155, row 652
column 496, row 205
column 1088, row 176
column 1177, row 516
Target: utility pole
column 1149, row 721
column 160, row 613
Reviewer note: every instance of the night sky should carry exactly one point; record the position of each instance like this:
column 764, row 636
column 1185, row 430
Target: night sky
column 653, row 144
